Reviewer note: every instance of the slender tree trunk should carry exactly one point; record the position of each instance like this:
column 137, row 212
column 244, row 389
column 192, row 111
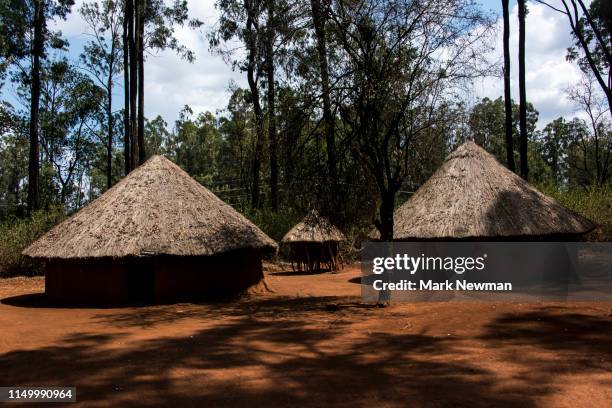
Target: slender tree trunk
column 522, row 91
column 133, row 84
column 33, row 163
column 140, row 51
column 109, row 146
column 126, row 91
column 259, row 130
column 319, row 17
column 385, row 225
column 272, row 134
column 507, row 96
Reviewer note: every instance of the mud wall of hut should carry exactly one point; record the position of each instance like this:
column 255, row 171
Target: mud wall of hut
column 156, row 279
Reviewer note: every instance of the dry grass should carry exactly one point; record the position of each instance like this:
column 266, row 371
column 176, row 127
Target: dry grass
column 473, row 196
column 314, row 228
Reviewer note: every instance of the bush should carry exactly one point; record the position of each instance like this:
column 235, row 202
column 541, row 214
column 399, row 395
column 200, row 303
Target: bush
column 16, row 234
column 274, row 224
column 595, row 203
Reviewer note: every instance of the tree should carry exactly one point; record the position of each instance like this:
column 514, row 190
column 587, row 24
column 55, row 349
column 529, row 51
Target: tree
column 127, row 162
column 270, row 38
column 197, row 143
column 70, row 106
column 26, row 36
column 586, row 97
column 13, row 162
column 242, row 21
column 140, row 24
column 555, row 140
column 157, row 136
column 320, row 15
column 132, row 68
column 150, row 26
column 592, row 31
column 507, row 95
column 238, row 141
column 101, row 58
column 396, row 78
column 522, row 12
column 487, row 125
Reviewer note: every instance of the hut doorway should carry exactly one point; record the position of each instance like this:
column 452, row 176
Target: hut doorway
column 140, row 281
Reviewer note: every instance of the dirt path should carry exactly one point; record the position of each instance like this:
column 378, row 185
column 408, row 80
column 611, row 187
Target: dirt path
column 290, row 348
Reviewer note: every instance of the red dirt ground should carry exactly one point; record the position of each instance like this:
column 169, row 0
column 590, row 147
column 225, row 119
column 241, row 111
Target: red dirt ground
column 289, row 348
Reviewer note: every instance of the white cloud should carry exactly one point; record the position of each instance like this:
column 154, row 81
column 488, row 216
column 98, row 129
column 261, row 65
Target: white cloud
column 548, row 73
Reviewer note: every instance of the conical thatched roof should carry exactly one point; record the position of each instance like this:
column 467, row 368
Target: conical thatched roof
column 156, row 209
column 473, row 196
column 314, row 228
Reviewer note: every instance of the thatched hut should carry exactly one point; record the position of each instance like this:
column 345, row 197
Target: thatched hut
column 473, row 197
column 313, row 242
column 156, row 236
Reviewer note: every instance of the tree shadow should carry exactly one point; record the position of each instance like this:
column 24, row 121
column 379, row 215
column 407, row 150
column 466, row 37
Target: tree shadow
column 301, row 273
column 42, row 301
column 287, row 351
column 249, row 362
column 277, row 307
column 366, row 280
column 550, row 342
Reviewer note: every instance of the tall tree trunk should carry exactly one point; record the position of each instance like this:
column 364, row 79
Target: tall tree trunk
column 109, row 146
column 522, row 91
column 507, row 96
column 33, row 163
column 272, row 134
column 133, row 83
column 259, row 129
column 126, row 91
column 385, row 224
column 140, row 51
column 319, row 16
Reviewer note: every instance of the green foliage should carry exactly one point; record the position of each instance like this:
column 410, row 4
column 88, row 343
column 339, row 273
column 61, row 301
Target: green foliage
column 16, row 234
column 274, row 224
column 487, row 126
column 594, row 202
column 13, row 169
column 601, row 17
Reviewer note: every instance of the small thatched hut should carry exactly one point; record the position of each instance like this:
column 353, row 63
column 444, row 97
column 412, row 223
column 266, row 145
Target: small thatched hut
column 312, row 242
column 156, row 236
column 473, row 197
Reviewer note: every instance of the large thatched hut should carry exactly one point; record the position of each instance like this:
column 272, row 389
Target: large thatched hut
column 313, row 242
column 473, row 197
column 156, row 236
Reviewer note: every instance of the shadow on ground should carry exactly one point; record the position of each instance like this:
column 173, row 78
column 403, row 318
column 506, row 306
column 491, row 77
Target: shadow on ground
column 300, row 273
column 275, row 352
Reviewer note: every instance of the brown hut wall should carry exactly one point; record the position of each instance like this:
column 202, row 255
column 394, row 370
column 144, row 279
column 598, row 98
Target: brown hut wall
column 192, row 277
column 86, row 282
column 152, row 279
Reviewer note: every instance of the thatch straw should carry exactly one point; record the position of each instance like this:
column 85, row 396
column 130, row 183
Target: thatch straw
column 473, row 196
column 313, row 228
column 156, row 210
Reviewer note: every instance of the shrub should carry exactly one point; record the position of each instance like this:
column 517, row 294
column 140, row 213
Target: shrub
column 594, row 203
column 16, row 234
column 274, row 224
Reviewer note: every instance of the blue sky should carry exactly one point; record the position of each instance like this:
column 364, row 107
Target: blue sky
column 172, row 83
